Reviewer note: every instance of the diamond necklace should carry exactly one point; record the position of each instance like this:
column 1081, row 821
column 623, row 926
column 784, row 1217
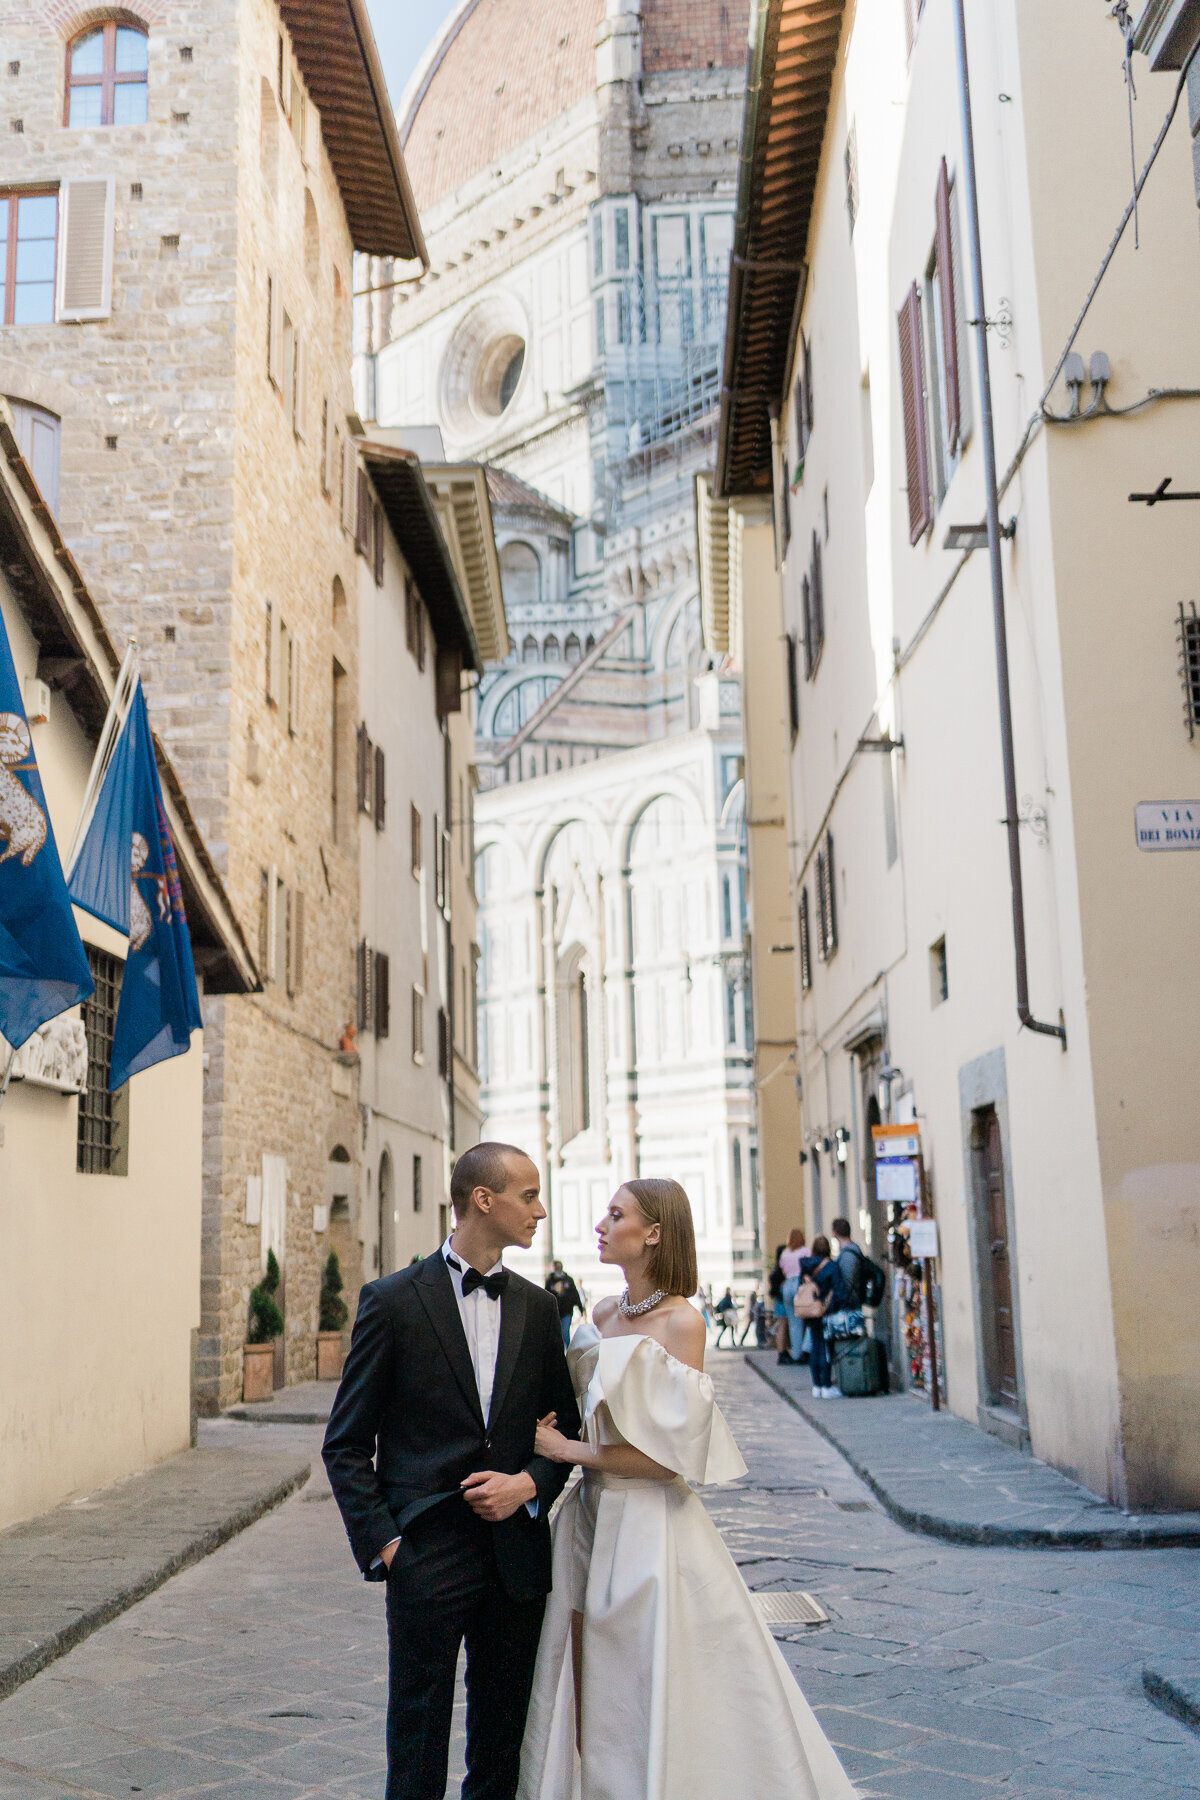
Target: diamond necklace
column 643, row 1306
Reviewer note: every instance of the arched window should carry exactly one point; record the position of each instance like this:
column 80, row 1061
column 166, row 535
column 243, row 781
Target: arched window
column 312, row 239
column 529, row 650
column 551, row 649
column 106, row 76
column 573, row 651
column 590, row 645
column 339, row 1176
column 520, row 574
column 339, row 600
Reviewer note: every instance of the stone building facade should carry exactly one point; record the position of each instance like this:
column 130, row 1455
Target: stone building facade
column 574, row 163
column 192, row 366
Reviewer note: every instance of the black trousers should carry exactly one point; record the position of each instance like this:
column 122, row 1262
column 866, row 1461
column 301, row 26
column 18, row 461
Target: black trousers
column 443, row 1590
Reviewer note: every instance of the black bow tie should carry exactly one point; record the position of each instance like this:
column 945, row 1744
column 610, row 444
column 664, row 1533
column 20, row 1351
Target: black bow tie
column 492, row 1285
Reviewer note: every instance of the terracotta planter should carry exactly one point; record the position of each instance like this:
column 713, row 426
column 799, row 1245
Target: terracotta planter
column 258, row 1371
column 329, row 1356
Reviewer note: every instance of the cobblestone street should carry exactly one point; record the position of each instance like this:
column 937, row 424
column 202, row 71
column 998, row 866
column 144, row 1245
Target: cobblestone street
column 944, row 1672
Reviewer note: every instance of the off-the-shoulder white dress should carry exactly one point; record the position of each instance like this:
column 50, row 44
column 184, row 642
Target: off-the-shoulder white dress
column 684, row 1691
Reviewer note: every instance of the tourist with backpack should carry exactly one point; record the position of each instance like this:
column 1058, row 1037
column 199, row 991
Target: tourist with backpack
column 860, row 1361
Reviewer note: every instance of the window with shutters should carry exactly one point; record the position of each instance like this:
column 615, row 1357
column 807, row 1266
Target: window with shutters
column 362, row 518
column 418, row 1186
column 912, row 18
column 383, row 1004
column 300, row 386
column 365, row 961
column 793, row 685
column 813, row 592
column 85, row 248
column 913, row 407
column 288, row 389
column 827, row 940
column 106, row 76
column 365, row 772
column 39, row 434
column 851, row 169
column 379, row 789
column 294, row 945
column 414, row 825
column 378, row 542
column 329, row 450
column 291, row 673
column 102, row 1129
column 29, row 228
column 802, row 405
column 349, row 485
column 805, row 944
column 445, row 1053
column 418, row 1024
column 946, row 362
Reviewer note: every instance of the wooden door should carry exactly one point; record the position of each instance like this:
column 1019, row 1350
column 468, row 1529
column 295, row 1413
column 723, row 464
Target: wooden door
column 1004, row 1341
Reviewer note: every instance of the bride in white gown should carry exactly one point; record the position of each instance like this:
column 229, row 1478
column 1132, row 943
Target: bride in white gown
column 656, row 1678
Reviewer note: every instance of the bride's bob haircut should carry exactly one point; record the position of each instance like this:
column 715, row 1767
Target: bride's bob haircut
column 673, row 1265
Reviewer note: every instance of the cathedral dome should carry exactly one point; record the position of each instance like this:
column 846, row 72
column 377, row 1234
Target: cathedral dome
column 498, row 71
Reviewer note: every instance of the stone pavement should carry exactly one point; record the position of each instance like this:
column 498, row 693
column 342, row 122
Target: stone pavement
column 947, row 1672
column 305, row 1403
column 69, row 1571
column 937, row 1473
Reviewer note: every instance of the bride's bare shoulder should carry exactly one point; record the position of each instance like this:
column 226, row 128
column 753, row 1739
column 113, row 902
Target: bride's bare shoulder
column 604, row 1309
column 683, row 1334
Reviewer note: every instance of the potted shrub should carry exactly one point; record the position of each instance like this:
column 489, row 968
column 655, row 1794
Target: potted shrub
column 266, row 1324
column 332, row 1317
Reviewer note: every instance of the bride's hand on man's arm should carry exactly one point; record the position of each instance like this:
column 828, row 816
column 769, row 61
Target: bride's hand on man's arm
column 550, row 1442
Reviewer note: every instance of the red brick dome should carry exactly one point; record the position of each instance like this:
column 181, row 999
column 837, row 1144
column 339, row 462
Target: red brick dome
column 500, row 70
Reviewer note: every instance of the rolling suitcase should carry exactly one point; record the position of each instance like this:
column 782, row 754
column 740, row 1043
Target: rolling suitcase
column 861, row 1367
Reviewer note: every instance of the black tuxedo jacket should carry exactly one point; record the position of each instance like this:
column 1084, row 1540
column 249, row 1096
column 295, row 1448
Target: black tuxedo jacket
column 406, row 1427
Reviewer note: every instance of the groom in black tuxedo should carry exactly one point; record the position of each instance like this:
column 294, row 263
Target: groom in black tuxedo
column 430, row 1457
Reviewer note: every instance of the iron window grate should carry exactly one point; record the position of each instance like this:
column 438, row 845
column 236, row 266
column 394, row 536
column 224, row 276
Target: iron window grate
column 97, row 1142
column 1189, row 665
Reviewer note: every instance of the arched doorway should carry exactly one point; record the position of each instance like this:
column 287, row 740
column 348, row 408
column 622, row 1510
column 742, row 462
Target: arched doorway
column 388, row 1217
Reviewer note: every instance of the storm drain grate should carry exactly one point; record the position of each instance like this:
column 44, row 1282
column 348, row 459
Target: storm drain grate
column 854, row 1506
column 791, row 1609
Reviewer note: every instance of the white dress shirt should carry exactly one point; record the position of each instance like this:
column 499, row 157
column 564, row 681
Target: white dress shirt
column 480, row 1317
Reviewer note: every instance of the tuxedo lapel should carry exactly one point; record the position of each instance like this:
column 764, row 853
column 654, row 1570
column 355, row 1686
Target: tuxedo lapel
column 436, row 1288
column 512, row 1330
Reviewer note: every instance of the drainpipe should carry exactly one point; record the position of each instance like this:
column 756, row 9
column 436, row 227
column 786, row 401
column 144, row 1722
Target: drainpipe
column 1011, row 822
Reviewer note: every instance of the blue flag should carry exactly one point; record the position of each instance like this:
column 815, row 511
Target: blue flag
column 43, row 964
column 126, row 874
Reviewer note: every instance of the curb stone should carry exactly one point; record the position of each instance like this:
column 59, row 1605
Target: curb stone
column 1111, row 1529
column 1175, row 1691
column 28, row 1646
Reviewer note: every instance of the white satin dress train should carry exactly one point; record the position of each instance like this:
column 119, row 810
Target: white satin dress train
column 684, row 1691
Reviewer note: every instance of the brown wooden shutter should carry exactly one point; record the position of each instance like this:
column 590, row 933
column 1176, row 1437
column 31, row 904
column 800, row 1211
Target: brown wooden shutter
column 378, row 529
column 414, row 827
column 805, row 943
column 916, row 431
column 793, row 687
column 383, row 998
column 816, row 606
column 366, row 986
column 946, row 294
column 448, row 679
column 275, row 344
column 443, row 1042
column 380, row 789
column 362, row 517
column 365, row 770
column 85, row 254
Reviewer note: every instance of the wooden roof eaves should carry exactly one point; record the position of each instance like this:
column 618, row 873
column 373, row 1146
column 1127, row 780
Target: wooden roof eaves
column 793, row 58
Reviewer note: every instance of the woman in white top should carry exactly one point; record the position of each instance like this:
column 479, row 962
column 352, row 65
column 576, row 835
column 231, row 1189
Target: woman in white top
column 656, row 1677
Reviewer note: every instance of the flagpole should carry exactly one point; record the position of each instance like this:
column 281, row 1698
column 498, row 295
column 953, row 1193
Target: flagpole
column 114, row 721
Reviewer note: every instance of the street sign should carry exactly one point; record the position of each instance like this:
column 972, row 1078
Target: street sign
column 1167, row 824
column 896, row 1181
column 896, row 1140
column 923, row 1238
